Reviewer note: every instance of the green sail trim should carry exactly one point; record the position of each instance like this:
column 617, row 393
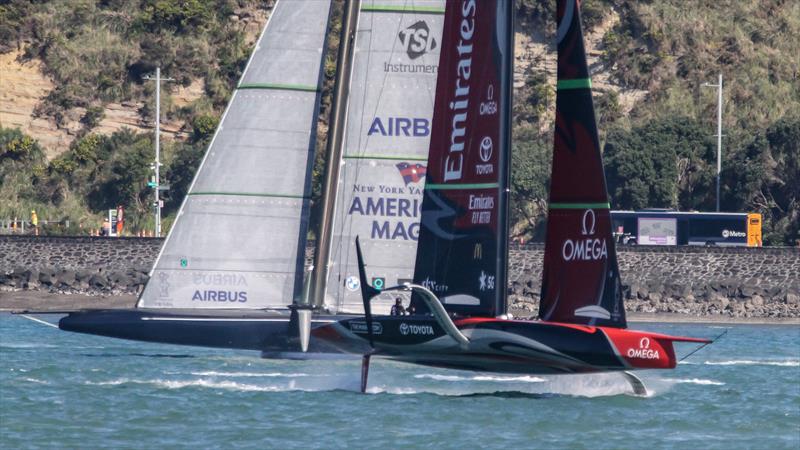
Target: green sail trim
column 403, row 9
column 391, row 158
column 579, row 83
column 278, row 86
column 580, row 205
column 445, row 187
column 252, row 194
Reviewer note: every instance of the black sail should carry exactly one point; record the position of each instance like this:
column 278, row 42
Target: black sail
column 580, row 280
column 463, row 244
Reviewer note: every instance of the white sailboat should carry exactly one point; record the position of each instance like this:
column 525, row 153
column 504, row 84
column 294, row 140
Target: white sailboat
column 231, row 272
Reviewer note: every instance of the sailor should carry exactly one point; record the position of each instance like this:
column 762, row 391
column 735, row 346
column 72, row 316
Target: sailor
column 397, row 308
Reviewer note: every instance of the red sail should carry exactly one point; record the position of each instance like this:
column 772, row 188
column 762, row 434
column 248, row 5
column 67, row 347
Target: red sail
column 462, row 248
column 580, row 281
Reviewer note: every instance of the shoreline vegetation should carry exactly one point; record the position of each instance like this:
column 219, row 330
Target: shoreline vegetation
column 47, row 302
column 76, row 141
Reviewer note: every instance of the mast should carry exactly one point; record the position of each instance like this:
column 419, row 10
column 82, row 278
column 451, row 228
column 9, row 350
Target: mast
column 504, row 160
column 334, row 151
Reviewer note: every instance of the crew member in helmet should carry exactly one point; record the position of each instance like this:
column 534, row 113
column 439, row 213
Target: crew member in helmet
column 397, row 308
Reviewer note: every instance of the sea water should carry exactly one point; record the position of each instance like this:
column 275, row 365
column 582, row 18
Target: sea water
column 65, row 390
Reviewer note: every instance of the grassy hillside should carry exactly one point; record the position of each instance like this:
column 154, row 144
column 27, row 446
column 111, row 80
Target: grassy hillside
column 98, row 52
column 659, row 147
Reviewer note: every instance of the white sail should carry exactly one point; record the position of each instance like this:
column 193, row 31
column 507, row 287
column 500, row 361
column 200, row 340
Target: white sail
column 387, row 134
column 240, row 235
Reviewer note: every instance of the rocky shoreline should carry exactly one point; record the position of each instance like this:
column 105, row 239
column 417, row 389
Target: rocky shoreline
column 719, row 299
column 736, row 283
column 90, row 282
column 712, row 305
column 728, row 299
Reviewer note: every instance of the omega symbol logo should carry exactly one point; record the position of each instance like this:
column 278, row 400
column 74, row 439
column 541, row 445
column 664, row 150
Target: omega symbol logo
column 489, row 107
column 588, row 248
column 589, row 221
column 486, row 149
column 644, row 351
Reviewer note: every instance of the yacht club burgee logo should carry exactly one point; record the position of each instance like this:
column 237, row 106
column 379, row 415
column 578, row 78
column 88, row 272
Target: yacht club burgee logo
column 411, row 172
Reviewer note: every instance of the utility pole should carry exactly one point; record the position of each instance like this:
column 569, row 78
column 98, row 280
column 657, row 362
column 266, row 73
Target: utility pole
column 156, row 183
column 719, row 130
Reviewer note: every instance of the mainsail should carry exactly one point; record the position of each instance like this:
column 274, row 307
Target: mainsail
column 580, row 281
column 240, row 235
column 463, row 243
column 386, row 139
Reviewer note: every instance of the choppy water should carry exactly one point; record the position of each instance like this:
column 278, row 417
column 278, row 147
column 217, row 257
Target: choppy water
column 59, row 389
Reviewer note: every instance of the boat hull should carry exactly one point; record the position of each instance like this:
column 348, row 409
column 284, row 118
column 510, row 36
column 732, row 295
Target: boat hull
column 495, row 345
column 265, row 331
column 507, row 346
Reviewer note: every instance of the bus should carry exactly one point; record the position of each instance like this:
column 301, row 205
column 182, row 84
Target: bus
column 667, row 227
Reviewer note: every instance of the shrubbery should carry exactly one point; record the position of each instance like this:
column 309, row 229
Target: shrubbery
column 661, row 154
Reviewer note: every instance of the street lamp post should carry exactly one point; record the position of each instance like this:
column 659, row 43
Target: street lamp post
column 719, row 130
column 157, row 164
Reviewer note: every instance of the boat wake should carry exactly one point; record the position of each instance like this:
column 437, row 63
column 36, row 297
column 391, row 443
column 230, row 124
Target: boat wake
column 441, row 377
column 750, row 362
column 208, row 383
column 35, row 380
column 593, row 385
column 24, row 345
column 248, row 374
column 694, row 381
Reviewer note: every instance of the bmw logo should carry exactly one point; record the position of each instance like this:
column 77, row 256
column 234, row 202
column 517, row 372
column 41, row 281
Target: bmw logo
column 352, row 283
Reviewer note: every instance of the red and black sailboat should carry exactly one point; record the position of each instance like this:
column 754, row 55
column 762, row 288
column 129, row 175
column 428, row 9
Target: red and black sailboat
column 459, row 278
column 460, row 272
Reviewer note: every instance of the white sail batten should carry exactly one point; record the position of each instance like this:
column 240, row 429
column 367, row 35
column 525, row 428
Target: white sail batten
column 386, row 140
column 240, row 235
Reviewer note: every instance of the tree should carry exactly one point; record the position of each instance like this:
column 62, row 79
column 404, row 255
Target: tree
column 181, row 172
column 121, row 179
column 666, row 163
column 762, row 176
column 22, row 164
column 531, row 159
